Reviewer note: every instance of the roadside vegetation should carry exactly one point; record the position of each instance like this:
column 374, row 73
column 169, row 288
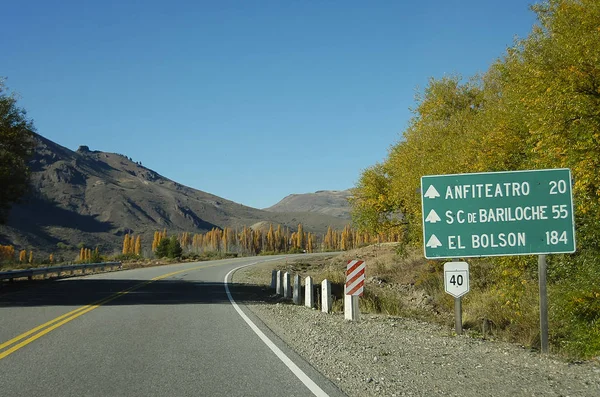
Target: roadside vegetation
column 537, row 107
column 16, row 147
column 214, row 244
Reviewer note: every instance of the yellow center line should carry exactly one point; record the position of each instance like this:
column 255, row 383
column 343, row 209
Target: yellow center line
column 67, row 317
column 31, row 331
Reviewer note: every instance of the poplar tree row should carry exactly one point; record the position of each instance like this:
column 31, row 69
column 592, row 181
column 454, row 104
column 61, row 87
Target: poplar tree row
column 132, row 245
column 246, row 241
column 8, row 252
column 85, row 255
column 278, row 239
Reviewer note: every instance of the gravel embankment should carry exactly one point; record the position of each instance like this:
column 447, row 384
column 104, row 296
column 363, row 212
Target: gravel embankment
column 392, row 356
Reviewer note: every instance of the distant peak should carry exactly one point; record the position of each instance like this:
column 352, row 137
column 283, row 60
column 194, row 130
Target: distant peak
column 83, row 149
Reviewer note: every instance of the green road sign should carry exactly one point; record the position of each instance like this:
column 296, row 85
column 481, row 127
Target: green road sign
column 498, row 213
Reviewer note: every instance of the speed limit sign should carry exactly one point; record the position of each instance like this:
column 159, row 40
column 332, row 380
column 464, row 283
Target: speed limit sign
column 456, row 278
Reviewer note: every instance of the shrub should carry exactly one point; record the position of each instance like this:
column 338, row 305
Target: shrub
column 174, row 248
column 162, row 250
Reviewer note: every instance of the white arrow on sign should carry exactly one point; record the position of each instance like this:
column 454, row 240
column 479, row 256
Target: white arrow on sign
column 433, row 242
column 433, row 217
column 432, row 192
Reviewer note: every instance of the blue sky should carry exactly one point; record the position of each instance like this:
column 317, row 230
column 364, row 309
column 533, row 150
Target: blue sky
column 248, row 100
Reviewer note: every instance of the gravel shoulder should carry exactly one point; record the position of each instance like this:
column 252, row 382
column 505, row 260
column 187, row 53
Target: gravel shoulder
column 393, row 356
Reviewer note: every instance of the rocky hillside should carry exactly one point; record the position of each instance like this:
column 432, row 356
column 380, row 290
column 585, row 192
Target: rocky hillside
column 95, row 197
column 328, row 202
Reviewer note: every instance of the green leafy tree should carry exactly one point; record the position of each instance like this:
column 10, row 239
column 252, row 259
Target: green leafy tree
column 162, row 249
column 16, row 146
column 555, row 72
column 536, row 107
column 371, row 205
column 95, row 256
column 174, row 248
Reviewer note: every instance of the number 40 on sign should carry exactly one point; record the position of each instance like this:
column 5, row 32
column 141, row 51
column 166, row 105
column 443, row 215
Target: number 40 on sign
column 456, row 278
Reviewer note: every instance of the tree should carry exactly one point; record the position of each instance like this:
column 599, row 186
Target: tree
column 555, row 74
column 7, row 253
column 225, row 238
column 300, row 237
column 126, row 244
column 271, row 239
column 138, row 246
column 95, row 256
column 279, row 239
column 156, row 240
column 162, row 249
column 371, row 202
column 16, row 147
column 174, row 248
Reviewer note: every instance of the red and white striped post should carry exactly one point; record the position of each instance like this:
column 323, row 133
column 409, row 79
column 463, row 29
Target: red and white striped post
column 355, row 282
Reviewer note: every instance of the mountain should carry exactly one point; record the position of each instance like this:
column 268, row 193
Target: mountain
column 328, row 202
column 93, row 197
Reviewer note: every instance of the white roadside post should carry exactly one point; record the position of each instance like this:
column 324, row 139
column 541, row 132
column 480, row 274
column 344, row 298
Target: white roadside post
column 456, row 283
column 309, row 300
column 297, row 290
column 279, row 285
column 325, row 296
column 287, row 288
column 355, row 282
column 274, row 279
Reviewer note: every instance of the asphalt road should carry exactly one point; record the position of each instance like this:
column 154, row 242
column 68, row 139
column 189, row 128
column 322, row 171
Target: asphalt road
column 161, row 331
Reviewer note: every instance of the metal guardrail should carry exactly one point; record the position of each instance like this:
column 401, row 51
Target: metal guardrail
column 45, row 271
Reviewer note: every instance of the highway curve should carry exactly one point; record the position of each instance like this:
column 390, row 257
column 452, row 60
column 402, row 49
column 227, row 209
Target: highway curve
column 160, row 331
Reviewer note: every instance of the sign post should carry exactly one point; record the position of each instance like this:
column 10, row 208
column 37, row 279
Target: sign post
column 543, row 304
column 500, row 214
column 456, row 283
column 355, row 282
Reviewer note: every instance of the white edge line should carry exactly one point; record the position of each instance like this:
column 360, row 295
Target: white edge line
column 308, row 382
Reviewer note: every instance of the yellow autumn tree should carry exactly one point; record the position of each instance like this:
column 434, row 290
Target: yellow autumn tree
column 126, row 244
column 225, row 239
column 138, row 246
column 271, row 239
column 7, row 253
column 156, row 240
column 309, row 243
column 300, row 237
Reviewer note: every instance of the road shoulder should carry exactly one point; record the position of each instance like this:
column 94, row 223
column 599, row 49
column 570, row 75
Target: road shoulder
column 395, row 356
